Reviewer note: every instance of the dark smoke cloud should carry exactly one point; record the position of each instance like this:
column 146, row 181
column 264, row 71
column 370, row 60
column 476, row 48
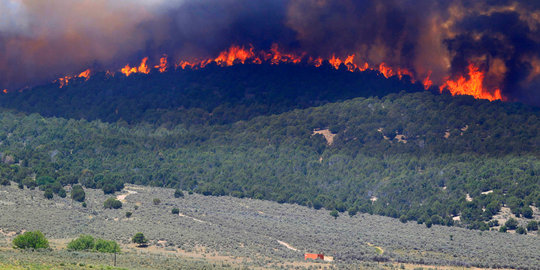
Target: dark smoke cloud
column 42, row 40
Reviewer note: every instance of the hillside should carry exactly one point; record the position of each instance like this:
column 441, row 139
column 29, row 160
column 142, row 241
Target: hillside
column 432, row 158
column 213, row 95
column 246, row 233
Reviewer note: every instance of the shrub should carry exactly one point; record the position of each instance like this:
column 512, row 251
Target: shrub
column 62, row 193
column 527, row 212
column 178, row 193
column 48, row 194
column 84, row 242
column 503, row 229
column 77, row 193
column 334, row 213
column 175, row 211
column 34, row 240
column 139, row 239
column 156, row 201
column 532, row 225
column 84, row 204
column 106, row 246
column 511, row 224
column 403, row 219
column 352, row 211
column 112, row 203
column 5, row 182
column 128, row 214
column 521, row 230
column 88, row 243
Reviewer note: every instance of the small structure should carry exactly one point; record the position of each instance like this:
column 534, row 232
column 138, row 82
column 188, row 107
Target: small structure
column 313, row 256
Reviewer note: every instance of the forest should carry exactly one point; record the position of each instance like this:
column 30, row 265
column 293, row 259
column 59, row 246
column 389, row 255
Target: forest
column 401, row 151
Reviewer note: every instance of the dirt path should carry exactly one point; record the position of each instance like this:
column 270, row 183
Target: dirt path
column 122, row 197
column 195, row 219
column 287, row 245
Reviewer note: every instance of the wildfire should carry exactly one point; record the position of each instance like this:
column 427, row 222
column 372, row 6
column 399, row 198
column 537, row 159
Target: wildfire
column 143, row 68
column 472, row 86
column 162, row 67
column 63, row 81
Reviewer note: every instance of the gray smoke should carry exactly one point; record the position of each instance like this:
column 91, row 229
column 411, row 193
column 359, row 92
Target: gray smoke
column 42, row 40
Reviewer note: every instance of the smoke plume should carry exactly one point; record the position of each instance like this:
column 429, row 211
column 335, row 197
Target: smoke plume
column 43, row 40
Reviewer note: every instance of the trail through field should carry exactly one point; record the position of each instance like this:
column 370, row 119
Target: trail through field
column 287, row 245
column 195, row 219
column 122, row 197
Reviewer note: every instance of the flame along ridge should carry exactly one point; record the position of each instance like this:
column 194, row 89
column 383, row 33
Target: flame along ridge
column 472, row 84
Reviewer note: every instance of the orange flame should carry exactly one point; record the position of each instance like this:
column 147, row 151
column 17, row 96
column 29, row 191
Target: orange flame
column 385, row 70
column 5, row 91
column 427, row 81
column 473, row 86
column 85, row 74
column 162, row 67
column 242, row 55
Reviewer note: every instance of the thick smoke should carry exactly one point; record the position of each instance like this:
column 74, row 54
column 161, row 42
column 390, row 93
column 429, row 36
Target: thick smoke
column 42, row 40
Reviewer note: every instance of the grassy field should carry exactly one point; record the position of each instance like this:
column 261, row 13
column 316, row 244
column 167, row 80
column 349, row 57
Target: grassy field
column 217, row 232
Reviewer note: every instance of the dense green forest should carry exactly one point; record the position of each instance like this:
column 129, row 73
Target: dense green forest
column 213, row 95
column 409, row 155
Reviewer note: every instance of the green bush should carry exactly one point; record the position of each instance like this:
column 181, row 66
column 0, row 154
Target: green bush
column 521, row 230
column 84, row 242
column 178, row 193
column 106, row 246
column 33, row 240
column 77, row 193
column 112, row 203
column 128, row 214
column 175, row 211
column 527, row 212
column 48, row 194
column 139, row 239
column 88, row 243
column 532, row 225
column 62, row 193
column 334, row 213
column 156, row 201
column 511, row 224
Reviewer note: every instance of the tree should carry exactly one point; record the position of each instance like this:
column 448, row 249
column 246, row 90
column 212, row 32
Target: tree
column 128, row 214
column 77, row 193
column 156, row 201
column 48, row 194
column 178, row 193
column 511, row 224
column 33, row 240
column 175, row 211
column 112, row 203
column 334, row 213
column 139, row 239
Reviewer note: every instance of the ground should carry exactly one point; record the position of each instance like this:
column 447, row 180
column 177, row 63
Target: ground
column 226, row 231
